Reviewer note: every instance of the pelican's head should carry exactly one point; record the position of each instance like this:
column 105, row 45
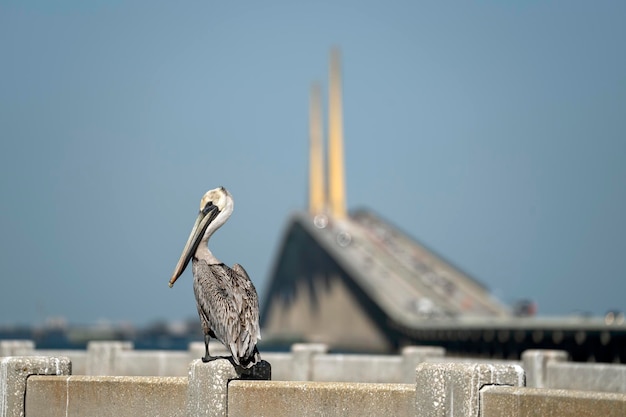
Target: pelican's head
column 216, row 207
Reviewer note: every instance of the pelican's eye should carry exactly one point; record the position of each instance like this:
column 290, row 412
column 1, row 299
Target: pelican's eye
column 207, row 207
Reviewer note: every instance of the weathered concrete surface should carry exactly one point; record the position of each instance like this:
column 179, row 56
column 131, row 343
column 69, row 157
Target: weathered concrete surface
column 328, row 399
column 452, row 389
column 535, row 362
column 207, row 392
column 17, row 348
column 586, row 376
column 14, row 372
column 542, row 402
column 104, row 396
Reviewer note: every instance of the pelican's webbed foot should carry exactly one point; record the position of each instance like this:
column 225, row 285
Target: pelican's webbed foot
column 208, row 358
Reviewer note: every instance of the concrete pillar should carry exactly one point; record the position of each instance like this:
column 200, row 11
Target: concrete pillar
column 302, row 359
column 15, row 370
column 414, row 355
column 17, row 348
column 453, row 389
column 207, row 392
column 535, row 362
column 102, row 356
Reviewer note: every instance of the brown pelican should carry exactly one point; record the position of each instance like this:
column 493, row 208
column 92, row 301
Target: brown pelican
column 227, row 301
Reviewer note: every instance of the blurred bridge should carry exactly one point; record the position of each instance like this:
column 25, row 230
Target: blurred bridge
column 357, row 283
column 361, row 285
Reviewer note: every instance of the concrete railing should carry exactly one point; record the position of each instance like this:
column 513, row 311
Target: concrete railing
column 34, row 386
column 305, row 362
column 44, row 386
column 312, row 362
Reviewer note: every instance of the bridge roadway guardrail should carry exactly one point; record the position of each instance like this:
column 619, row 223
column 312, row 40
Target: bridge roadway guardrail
column 307, row 381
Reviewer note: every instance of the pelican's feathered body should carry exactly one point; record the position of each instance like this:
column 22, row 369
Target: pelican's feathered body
column 228, row 304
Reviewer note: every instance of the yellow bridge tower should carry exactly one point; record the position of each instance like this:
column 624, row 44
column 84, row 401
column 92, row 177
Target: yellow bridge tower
column 333, row 202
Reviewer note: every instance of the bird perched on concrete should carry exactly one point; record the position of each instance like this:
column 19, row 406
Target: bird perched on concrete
column 228, row 304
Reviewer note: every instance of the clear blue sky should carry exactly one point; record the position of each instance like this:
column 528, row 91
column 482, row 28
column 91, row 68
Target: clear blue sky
column 493, row 132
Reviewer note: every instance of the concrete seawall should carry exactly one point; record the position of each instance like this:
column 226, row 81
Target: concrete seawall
column 307, row 381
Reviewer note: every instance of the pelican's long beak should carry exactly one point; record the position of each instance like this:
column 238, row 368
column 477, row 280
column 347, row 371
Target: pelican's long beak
column 205, row 217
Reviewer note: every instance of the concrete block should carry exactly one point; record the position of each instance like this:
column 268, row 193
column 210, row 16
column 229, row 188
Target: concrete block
column 328, row 399
column 515, row 401
column 600, row 377
column 414, row 355
column 15, row 370
column 106, row 396
column 302, row 356
column 17, row 348
column 207, row 391
column 452, row 389
column 208, row 387
column 102, row 356
column 535, row 362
